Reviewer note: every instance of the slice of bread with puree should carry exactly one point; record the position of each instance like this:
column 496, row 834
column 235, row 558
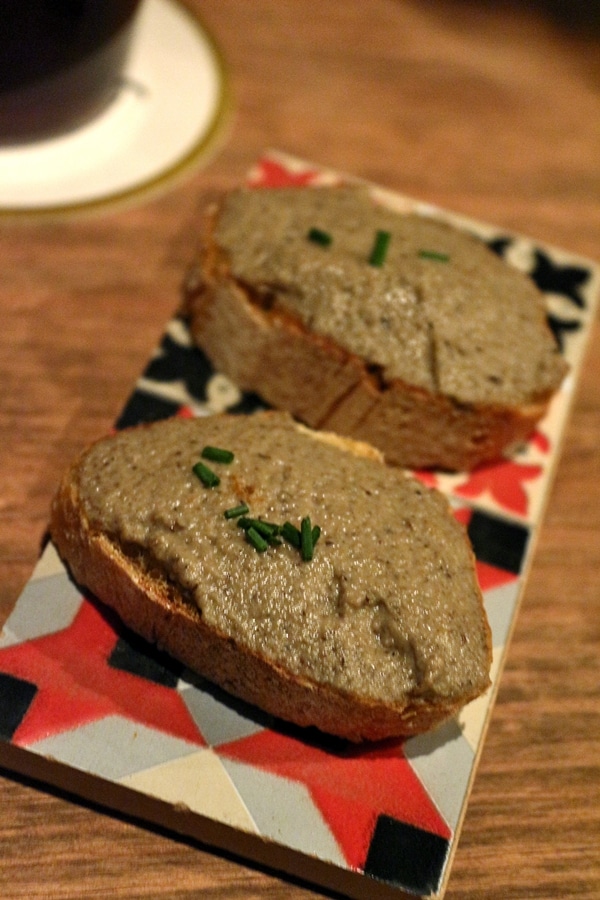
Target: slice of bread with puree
column 391, row 328
column 293, row 568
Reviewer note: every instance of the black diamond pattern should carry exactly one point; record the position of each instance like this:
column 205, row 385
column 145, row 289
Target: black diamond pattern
column 407, row 856
column 143, row 407
column 176, row 361
column 500, row 245
column 499, row 543
column 132, row 654
column 16, row 696
column 553, row 278
column 561, row 327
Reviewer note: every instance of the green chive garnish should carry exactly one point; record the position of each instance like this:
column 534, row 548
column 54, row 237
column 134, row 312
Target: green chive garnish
column 262, row 527
column 267, row 530
column 380, row 248
column 262, row 534
column 433, row 254
column 306, row 541
column 257, row 541
column 217, row 454
column 234, row 511
column 291, row 534
column 206, row 475
column 318, row 236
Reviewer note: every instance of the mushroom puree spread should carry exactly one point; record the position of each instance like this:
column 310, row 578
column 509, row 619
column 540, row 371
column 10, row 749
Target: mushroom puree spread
column 443, row 312
column 388, row 605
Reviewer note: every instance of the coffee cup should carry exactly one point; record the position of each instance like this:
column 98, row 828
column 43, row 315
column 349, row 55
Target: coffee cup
column 61, row 63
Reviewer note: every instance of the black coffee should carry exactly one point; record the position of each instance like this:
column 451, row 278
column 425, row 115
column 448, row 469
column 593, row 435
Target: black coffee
column 60, row 62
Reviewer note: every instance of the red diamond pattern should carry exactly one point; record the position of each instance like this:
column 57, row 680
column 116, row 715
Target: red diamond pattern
column 76, row 686
column 351, row 789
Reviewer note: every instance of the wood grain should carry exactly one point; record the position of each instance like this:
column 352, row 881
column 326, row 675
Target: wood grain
column 489, row 109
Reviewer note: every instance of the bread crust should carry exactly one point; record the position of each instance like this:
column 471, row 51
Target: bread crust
column 272, row 353
column 156, row 610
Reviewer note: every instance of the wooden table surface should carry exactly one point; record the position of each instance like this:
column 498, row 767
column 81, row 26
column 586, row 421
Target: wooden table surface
column 485, row 108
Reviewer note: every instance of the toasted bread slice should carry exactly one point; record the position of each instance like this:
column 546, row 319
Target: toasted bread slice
column 373, row 628
column 440, row 356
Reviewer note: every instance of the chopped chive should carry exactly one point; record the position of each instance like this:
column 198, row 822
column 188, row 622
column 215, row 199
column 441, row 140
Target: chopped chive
column 262, row 534
column 433, row 254
column 234, row 511
column 206, row 475
column 273, row 527
column 380, row 248
column 246, row 522
column 268, row 530
column 318, row 236
column 257, row 541
column 217, row 454
column 306, row 545
column 291, row 534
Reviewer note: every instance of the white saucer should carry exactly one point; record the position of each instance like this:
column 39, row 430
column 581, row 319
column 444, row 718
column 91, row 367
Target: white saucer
column 165, row 118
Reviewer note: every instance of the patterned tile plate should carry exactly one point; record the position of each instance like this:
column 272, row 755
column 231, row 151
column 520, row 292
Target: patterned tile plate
column 87, row 706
